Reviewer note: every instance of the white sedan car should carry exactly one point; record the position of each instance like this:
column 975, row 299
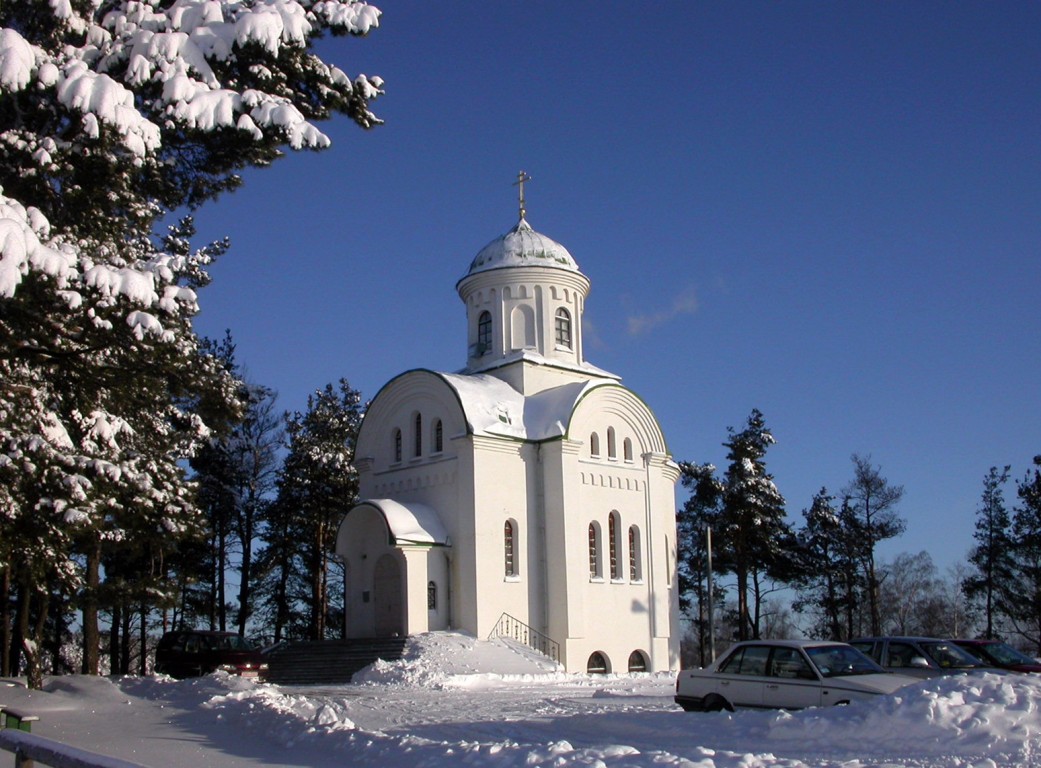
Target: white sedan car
column 788, row 674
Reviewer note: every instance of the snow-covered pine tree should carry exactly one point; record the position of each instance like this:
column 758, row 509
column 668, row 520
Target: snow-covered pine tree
column 755, row 539
column 114, row 113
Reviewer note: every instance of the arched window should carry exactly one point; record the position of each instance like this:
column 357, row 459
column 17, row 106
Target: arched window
column 563, row 328
column 484, row 333
column 637, row 662
column 439, row 437
column 431, row 596
column 635, row 565
column 594, row 551
column 509, row 550
column 612, row 453
column 397, row 445
column 597, row 664
column 614, row 545
column 627, row 449
column 419, row 435
column 594, row 444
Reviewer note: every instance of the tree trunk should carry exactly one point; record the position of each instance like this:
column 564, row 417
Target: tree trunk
column 245, row 587
column 124, row 646
column 32, row 637
column 143, row 636
column 113, row 639
column 91, row 634
column 5, row 623
column 222, row 559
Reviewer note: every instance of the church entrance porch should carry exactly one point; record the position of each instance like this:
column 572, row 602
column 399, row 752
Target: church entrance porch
column 397, row 569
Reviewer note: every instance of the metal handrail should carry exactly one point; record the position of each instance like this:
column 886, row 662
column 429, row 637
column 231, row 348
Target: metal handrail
column 514, row 629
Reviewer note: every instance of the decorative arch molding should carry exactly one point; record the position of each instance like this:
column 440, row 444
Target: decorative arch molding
column 395, row 406
column 627, row 407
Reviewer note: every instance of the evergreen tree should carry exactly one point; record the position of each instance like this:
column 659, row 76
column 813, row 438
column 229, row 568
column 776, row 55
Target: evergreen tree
column 699, row 513
column 870, row 502
column 991, row 557
column 113, row 115
column 1024, row 609
column 823, row 580
column 754, row 541
column 255, row 449
column 318, row 484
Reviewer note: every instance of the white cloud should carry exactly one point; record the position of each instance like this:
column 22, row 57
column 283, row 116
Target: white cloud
column 686, row 303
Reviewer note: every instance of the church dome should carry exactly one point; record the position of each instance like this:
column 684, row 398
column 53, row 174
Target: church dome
column 522, row 246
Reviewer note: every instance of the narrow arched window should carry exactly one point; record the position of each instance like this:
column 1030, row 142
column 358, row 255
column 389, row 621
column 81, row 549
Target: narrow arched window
column 594, row 444
column 637, row 662
column 627, row 449
column 509, row 548
column 397, row 445
column 635, row 565
column 419, row 435
column 432, row 596
column 484, row 333
column 612, row 453
column 597, row 664
column 614, row 545
column 563, row 328
column 439, row 437
column 594, row 551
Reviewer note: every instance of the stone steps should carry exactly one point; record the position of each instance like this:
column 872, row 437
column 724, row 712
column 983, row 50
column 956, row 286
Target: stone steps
column 329, row 662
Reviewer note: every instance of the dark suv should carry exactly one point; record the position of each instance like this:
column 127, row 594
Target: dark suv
column 193, row 652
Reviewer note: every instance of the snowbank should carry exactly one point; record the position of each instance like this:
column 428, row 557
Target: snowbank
column 454, row 701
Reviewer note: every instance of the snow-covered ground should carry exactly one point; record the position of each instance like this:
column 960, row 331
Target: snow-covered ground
column 456, row 701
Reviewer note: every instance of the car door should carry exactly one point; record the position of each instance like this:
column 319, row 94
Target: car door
column 742, row 679
column 899, row 656
column 792, row 683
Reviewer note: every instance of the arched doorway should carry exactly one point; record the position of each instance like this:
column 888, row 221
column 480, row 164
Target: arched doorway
column 388, row 597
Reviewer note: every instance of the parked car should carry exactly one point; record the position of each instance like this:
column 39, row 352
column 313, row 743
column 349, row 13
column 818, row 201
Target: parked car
column 193, row 652
column 787, row 674
column 998, row 654
column 920, row 656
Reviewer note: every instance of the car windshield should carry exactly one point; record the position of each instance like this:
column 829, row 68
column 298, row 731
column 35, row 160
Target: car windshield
column 950, row 656
column 234, row 643
column 1005, row 654
column 841, row 661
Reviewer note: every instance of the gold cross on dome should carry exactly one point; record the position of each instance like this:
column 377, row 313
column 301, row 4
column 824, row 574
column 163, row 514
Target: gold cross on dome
column 521, row 178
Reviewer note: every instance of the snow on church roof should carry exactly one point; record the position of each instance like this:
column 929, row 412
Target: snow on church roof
column 410, row 523
column 493, row 407
column 522, row 246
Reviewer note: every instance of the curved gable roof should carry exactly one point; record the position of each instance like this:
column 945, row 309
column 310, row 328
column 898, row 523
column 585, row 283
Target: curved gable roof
column 409, row 523
column 493, row 408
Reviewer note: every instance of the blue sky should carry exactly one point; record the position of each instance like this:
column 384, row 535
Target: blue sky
column 827, row 211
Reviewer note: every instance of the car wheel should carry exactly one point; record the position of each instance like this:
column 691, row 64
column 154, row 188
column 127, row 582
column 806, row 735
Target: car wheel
column 717, row 704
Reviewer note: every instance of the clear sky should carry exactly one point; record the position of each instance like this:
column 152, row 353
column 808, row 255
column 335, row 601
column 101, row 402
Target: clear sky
column 827, row 211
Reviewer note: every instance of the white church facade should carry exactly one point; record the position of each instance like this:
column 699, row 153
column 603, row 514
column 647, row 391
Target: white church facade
column 530, row 489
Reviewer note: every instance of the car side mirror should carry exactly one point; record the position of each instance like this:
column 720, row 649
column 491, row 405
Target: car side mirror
column 919, row 662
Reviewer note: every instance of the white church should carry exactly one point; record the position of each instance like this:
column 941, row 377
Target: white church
column 529, row 494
